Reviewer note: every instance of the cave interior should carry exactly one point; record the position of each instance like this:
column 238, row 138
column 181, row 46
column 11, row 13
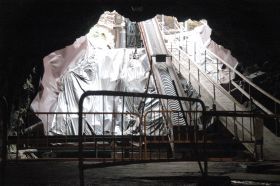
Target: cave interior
column 32, row 29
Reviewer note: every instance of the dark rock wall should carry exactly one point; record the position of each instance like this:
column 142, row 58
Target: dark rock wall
column 30, row 29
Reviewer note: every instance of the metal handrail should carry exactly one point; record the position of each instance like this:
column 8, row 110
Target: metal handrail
column 218, row 86
column 275, row 100
column 260, row 105
column 263, row 92
column 245, row 78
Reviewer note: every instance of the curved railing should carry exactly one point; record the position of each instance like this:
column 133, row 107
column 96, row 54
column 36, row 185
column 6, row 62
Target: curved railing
column 123, row 95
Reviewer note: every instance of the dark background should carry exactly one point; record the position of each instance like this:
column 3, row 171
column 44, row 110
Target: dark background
column 31, row 29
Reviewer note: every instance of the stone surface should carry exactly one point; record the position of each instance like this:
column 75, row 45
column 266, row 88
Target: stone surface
column 168, row 173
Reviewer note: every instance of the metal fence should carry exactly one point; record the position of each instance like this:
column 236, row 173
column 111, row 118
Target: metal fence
column 155, row 141
column 152, row 132
column 239, row 91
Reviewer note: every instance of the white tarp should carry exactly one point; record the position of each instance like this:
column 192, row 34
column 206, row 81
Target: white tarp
column 200, row 36
column 92, row 63
column 81, row 67
column 196, row 40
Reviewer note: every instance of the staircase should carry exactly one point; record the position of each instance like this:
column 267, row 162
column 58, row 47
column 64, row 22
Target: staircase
column 216, row 81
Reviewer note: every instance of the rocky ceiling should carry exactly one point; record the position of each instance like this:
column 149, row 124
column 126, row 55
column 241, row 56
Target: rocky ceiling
column 30, row 29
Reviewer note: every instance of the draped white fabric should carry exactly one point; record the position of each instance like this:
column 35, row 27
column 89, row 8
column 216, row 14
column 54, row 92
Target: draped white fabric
column 80, row 67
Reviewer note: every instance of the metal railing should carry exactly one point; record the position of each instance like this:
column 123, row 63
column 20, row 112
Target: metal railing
column 154, row 140
column 198, row 73
column 217, row 91
column 136, row 141
column 252, row 138
column 234, row 84
column 220, row 72
column 161, row 119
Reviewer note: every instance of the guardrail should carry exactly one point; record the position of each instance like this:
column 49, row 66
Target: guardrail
column 242, row 125
column 199, row 71
column 149, row 135
column 180, row 55
column 150, row 144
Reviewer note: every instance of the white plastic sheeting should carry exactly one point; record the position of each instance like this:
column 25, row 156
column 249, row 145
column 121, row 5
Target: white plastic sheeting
column 198, row 40
column 91, row 63
column 81, row 67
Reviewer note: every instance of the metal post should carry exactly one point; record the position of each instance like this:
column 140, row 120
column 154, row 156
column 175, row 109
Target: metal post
column 251, row 100
column 258, row 134
column 179, row 55
column 145, row 139
column 80, row 129
column 251, row 120
column 122, row 126
column 229, row 81
column 234, row 123
column 205, row 173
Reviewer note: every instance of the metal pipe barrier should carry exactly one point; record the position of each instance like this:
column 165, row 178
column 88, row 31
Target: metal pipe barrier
column 251, row 138
column 151, row 128
column 149, row 132
column 151, row 141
